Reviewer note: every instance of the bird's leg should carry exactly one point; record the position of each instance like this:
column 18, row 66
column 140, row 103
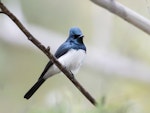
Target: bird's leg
column 72, row 75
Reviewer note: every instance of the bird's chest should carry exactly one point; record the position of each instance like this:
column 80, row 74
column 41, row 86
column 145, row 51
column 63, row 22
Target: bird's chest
column 73, row 59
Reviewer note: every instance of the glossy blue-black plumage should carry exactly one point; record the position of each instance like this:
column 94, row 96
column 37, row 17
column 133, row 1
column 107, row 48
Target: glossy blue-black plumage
column 74, row 41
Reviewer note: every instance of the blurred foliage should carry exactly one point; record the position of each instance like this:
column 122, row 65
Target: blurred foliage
column 57, row 15
column 22, row 66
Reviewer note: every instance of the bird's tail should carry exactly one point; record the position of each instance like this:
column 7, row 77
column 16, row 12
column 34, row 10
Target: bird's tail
column 34, row 88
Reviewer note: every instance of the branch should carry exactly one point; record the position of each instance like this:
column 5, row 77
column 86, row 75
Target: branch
column 125, row 13
column 46, row 51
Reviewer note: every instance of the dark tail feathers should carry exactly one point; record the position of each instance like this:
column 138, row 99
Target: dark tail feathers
column 34, row 88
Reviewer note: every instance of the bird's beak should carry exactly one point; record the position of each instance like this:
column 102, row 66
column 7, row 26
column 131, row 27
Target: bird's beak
column 81, row 36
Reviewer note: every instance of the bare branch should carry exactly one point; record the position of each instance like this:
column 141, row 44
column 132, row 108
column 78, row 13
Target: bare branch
column 46, row 51
column 125, row 13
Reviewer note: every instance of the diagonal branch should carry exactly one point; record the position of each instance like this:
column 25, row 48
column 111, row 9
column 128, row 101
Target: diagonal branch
column 125, row 13
column 46, row 51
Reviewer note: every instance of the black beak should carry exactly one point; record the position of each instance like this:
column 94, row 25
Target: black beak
column 81, row 36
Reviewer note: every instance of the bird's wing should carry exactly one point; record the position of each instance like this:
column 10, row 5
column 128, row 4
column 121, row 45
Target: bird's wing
column 64, row 48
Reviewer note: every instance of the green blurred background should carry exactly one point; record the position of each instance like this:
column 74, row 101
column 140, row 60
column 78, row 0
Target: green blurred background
column 116, row 71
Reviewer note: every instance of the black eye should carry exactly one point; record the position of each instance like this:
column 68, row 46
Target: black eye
column 76, row 36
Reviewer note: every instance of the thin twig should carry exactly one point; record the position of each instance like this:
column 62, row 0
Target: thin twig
column 47, row 52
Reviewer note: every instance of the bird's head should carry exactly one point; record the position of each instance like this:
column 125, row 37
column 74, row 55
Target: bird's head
column 75, row 34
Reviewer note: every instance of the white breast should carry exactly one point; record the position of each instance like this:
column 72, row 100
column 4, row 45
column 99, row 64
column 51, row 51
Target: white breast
column 72, row 60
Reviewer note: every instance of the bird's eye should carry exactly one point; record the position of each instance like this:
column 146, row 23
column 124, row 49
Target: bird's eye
column 76, row 36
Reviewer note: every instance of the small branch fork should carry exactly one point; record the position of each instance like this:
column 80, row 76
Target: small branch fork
column 47, row 52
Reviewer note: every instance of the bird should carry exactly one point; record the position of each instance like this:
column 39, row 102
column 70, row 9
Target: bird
column 70, row 54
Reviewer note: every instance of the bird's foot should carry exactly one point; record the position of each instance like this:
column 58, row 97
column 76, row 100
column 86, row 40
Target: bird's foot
column 72, row 75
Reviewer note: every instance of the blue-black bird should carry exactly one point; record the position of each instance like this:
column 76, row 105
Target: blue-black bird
column 70, row 54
